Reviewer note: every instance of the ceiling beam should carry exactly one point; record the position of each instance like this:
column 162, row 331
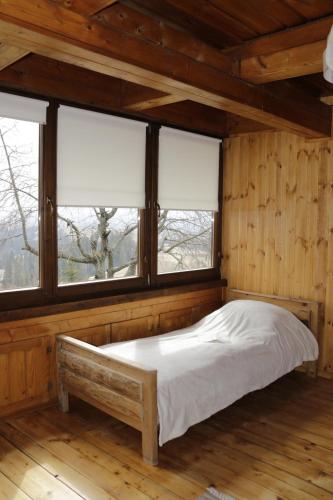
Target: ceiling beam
column 236, row 125
column 286, row 54
column 50, row 30
column 289, row 63
column 308, row 33
column 154, row 103
column 189, row 115
column 139, row 98
column 328, row 99
column 10, row 54
column 58, row 80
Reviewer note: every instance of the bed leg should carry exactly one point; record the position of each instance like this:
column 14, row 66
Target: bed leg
column 63, row 399
column 149, row 424
column 150, row 447
column 311, row 369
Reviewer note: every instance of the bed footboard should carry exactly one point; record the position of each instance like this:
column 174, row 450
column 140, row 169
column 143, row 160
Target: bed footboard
column 124, row 390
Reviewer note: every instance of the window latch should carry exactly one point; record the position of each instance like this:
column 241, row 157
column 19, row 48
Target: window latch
column 49, row 203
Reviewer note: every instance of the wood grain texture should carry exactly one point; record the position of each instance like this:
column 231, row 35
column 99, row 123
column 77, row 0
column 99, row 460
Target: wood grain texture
column 9, row 55
column 27, row 346
column 90, row 374
column 278, row 223
column 307, row 33
column 289, row 63
column 274, row 443
column 55, row 32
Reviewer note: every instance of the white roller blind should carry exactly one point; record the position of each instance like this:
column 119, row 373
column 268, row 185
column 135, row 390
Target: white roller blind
column 101, row 160
column 188, row 171
column 22, row 108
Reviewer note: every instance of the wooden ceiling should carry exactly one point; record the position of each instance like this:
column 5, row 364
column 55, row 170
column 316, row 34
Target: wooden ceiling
column 226, row 23
column 217, row 66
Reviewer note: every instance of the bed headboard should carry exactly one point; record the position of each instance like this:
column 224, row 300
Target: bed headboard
column 305, row 310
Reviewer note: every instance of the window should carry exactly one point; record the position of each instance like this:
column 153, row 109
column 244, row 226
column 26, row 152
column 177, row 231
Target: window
column 19, row 192
column 188, row 178
column 92, row 204
column 19, row 231
column 97, row 244
column 185, row 240
column 101, row 190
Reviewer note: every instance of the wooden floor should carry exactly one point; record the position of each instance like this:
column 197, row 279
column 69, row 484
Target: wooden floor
column 275, row 443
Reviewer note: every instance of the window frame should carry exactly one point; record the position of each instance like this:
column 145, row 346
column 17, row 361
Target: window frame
column 50, row 292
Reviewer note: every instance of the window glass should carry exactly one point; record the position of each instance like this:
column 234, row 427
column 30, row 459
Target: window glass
column 19, row 228
column 184, row 240
column 97, row 244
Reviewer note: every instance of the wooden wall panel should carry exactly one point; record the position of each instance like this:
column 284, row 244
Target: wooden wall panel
column 24, row 373
column 132, row 329
column 27, row 346
column 278, row 221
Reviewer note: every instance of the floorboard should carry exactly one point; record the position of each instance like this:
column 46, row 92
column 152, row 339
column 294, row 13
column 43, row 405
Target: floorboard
column 276, row 443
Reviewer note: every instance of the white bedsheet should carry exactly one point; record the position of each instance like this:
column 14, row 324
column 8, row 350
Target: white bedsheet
column 206, row 367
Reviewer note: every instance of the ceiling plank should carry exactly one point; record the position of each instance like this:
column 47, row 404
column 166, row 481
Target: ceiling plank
column 205, row 21
column 10, row 54
column 157, row 32
column 49, row 30
column 86, row 7
column 290, row 63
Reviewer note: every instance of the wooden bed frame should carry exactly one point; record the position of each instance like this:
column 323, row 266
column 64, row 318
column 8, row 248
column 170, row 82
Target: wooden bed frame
column 128, row 391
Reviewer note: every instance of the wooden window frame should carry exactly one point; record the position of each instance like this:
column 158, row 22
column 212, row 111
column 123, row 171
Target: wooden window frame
column 50, row 292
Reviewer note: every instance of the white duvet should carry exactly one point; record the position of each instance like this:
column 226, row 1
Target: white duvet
column 204, row 368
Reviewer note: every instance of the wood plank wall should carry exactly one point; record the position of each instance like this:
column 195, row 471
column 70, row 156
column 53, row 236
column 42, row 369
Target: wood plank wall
column 27, row 347
column 278, row 221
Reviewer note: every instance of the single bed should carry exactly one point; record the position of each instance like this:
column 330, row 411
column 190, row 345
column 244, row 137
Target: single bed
column 175, row 380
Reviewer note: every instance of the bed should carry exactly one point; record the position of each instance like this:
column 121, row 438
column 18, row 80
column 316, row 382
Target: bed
column 169, row 382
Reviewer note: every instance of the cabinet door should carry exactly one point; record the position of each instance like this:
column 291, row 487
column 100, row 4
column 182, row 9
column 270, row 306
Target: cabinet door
column 24, row 374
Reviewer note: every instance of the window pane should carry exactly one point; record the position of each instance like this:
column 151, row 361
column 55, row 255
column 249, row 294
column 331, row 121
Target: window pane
column 19, row 232
column 184, row 240
column 97, row 244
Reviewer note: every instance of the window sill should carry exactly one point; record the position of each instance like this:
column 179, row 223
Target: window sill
column 119, row 298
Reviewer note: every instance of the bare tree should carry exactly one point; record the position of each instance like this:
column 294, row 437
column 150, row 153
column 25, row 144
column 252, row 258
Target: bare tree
column 101, row 238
